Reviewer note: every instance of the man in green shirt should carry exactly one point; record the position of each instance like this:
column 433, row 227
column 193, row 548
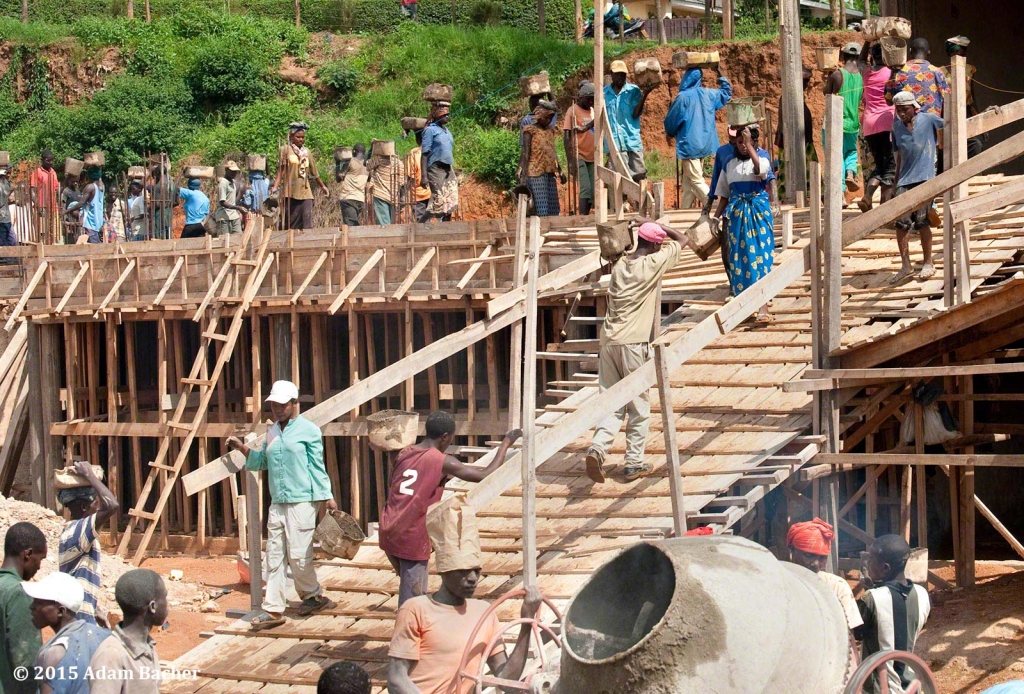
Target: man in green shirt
column 293, row 456
column 848, row 83
column 24, row 551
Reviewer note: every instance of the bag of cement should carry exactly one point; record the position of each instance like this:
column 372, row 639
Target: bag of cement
column 454, row 536
column 95, row 159
column 535, row 84
column 703, row 237
column 438, row 92
column 879, row 27
column 256, row 162
column 410, row 123
column 136, row 172
column 684, row 60
column 615, row 239
column 199, row 172
column 67, row 478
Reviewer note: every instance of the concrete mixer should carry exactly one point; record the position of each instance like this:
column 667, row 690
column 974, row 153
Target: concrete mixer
column 708, row 615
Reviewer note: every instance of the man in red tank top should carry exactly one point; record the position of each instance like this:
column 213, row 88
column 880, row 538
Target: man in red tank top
column 417, row 482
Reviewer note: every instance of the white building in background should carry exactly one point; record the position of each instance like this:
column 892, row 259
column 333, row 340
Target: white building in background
column 641, row 9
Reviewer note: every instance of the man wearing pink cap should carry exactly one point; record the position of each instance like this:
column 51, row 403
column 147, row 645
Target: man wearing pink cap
column 629, row 325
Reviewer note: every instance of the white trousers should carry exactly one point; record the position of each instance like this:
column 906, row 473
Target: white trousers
column 692, row 183
column 616, row 362
column 290, row 545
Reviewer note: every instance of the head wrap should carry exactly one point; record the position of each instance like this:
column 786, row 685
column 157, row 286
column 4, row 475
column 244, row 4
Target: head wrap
column 544, row 109
column 957, row 42
column 69, row 496
column 649, row 231
column 906, row 98
column 586, row 88
column 813, row 537
column 194, row 184
column 297, row 126
column 441, row 110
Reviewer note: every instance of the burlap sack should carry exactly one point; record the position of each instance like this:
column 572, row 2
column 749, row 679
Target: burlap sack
column 455, row 537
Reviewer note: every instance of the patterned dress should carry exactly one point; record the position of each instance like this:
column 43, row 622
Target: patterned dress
column 749, row 221
column 541, row 169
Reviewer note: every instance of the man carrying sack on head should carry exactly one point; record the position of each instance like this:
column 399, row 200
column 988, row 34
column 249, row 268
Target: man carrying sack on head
column 431, row 631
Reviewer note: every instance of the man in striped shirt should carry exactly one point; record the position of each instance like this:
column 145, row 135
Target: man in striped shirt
column 90, row 507
column 894, row 610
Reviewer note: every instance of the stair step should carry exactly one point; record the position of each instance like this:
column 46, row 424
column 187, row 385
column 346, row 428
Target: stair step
column 566, row 356
column 556, row 393
column 161, row 466
column 184, row 426
column 198, row 382
column 740, row 501
column 240, row 261
column 145, row 515
column 215, row 336
column 768, row 478
column 593, row 320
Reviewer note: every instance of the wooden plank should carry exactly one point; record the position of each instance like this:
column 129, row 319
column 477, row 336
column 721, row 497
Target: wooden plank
column 414, row 273
column 82, row 271
column 529, row 411
column 675, row 483
column 474, row 268
column 913, row 372
column 630, row 188
column 170, row 280
column 515, row 376
column 363, row 391
column 988, row 201
column 26, row 295
column 897, row 459
column 117, row 285
column 309, row 276
column 556, row 279
column 995, row 117
column 831, row 323
column 356, row 279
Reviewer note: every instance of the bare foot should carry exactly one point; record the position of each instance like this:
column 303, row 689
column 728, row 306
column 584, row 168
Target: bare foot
column 903, row 274
column 927, row 271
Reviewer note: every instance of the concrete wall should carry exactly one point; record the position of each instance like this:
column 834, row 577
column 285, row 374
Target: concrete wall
column 996, row 48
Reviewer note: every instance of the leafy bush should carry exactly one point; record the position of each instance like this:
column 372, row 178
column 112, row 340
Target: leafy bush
column 343, row 76
column 35, row 33
column 224, row 72
column 485, row 13
column 493, row 154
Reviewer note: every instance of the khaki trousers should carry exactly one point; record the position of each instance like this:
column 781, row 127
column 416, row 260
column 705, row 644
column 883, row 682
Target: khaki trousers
column 616, row 362
column 290, row 545
column 692, row 183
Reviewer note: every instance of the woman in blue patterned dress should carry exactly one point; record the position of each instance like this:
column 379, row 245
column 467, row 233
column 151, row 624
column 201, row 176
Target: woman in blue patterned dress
column 745, row 209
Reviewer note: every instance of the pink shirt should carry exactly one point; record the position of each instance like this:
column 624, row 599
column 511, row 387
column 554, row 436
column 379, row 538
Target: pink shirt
column 878, row 115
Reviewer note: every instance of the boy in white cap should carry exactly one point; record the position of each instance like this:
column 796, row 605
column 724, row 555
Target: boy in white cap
column 848, row 83
column 229, row 212
column 624, row 102
column 64, row 659
column 915, row 136
column 293, row 456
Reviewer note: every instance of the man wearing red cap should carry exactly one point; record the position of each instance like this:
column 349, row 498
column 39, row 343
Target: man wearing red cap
column 629, row 324
column 809, row 545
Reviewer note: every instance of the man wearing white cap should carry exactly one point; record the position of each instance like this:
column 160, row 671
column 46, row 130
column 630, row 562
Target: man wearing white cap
column 915, row 135
column 629, row 325
column 63, row 661
column 625, row 104
column 293, row 456
column 229, row 212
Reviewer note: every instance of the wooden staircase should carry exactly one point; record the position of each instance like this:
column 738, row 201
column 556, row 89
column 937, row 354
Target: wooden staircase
column 202, row 377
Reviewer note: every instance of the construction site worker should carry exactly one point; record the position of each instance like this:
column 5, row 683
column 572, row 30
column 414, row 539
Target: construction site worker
column 432, row 631
column 876, row 125
column 438, row 164
column 79, row 552
column 893, row 608
column 387, row 174
column 229, row 212
column 747, row 203
column 691, row 121
column 417, row 481
column 24, row 552
column 353, row 177
column 629, row 325
column 7, row 237
column 343, row 677
column 63, row 663
column 538, row 161
column 624, row 103
column 915, row 135
column 925, row 81
column 45, row 187
column 578, row 138
column 256, row 192
column 809, row 545
column 196, row 206
column 293, row 456
column 126, row 661
column 91, row 206
column 418, row 195
column 115, row 216
column 847, row 82
column 137, row 210
column 531, row 116
column 295, row 170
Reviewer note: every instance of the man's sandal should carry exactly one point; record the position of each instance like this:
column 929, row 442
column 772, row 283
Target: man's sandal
column 265, row 620
column 315, row 604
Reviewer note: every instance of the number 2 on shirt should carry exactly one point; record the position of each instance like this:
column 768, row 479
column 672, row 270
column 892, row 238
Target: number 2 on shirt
column 410, row 479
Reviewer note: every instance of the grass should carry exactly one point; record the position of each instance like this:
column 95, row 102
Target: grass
column 33, row 33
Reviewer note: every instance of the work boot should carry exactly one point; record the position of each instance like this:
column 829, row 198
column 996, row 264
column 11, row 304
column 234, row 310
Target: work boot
column 595, row 465
column 634, row 471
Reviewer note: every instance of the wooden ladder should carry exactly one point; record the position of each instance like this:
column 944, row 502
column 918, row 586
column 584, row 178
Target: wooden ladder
column 199, row 376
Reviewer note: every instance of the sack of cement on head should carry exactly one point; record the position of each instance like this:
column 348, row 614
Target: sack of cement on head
column 67, row 478
column 615, row 240
column 935, row 431
column 454, row 536
column 533, row 85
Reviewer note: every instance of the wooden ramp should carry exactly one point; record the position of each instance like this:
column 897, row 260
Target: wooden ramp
column 739, row 434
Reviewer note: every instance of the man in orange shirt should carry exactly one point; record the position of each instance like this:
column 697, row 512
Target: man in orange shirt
column 418, row 195
column 431, row 631
column 45, row 194
column 578, row 138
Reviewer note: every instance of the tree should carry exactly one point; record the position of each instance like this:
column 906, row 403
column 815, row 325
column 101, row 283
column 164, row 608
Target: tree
column 131, row 9
column 298, row 14
column 540, row 18
column 24, row 11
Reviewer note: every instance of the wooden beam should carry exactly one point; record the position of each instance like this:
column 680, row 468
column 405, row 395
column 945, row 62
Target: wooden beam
column 832, row 280
column 26, row 295
column 675, row 482
column 309, row 276
column 995, row 117
column 363, row 391
column 556, row 279
column 988, row 201
column 170, row 280
column 117, row 285
column 792, row 116
column 529, row 411
column 630, row 188
column 474, row 268
column 897, row 459
column 414, row 273
column 356, row 279
column 914, row 372
column 82, row 271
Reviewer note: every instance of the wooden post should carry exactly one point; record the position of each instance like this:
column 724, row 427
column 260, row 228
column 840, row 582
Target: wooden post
column 529, row 413
column 832, row 246
column 792, row 96
column 281, row 337
column 816, row 330
column 600, row 194
column 964, row 501
column 659, row 8
column 958, row 152
column 727, row 20
column 668, row 419
column 253, row 502
column 922, row 495
column 36, row 433
column 541, row 24
column 515, row 381
column 579, row 21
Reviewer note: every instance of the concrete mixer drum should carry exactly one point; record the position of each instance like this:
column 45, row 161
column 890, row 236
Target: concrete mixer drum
column 714, row 615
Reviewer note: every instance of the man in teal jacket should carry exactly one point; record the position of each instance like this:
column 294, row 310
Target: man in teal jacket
column 691, row 121
column 293, row 456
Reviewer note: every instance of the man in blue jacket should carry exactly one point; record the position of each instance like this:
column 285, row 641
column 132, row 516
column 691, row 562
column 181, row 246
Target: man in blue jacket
column 691, row 121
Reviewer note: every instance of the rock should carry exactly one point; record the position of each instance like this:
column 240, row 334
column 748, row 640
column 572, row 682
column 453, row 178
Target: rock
column 209, row 606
